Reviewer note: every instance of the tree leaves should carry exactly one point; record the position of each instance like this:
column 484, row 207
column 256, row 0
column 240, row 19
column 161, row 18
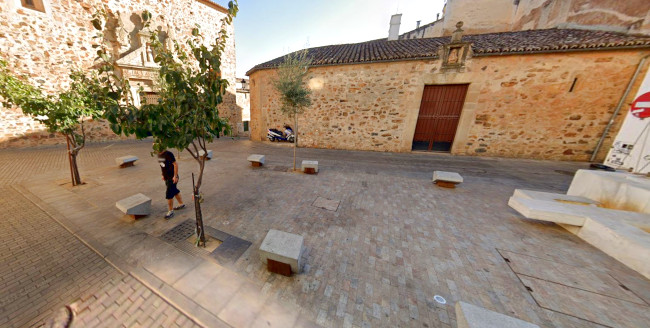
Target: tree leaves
column 290, row 84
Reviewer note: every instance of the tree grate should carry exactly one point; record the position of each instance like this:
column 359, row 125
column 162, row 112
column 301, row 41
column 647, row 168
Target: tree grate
column 180, row 232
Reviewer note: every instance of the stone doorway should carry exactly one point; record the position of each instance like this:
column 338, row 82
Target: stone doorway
column 438, row 118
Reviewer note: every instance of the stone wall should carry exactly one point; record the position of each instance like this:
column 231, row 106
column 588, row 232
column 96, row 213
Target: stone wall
column 488, row 16
column 45, row 45
column 516, row 106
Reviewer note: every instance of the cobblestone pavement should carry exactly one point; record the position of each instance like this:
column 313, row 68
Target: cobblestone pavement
column 43, row 267
column 394, row 241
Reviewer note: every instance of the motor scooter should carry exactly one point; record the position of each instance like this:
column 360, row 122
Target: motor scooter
column 277, row 135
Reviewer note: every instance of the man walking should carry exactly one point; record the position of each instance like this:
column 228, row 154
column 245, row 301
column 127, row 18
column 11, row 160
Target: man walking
column 169, row 168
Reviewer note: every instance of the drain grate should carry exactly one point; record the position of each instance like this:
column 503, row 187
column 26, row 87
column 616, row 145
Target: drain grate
column 180, row 232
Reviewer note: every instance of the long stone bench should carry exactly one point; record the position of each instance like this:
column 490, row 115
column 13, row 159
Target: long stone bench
column 281, row 252
column 623, row 235
column 256, row 160
column 126, row 161
column 310, row 167
column 446, row 179
column 623, row 191
column 136, row 206
column 472, row 316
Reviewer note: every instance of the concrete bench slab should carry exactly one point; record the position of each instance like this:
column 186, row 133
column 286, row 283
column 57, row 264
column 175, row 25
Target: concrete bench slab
column 126, row 161
column 472, row 316
column 137, row 205
column 624, row 235
column 282, row 247
column 209, row 157
column 550, row 211
column 549, row 196
column 310, row 167
column 256, row 160
column 618, row 190
column 617, row 238
column 446, row 179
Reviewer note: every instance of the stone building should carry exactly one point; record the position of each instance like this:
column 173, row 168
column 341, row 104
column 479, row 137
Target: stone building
column 43, row 39
column 244, row 103
column 543, row 93
column 490, row 16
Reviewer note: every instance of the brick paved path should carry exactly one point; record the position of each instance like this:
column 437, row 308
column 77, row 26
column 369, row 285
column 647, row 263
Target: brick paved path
column 43, row 267
column 394, row 241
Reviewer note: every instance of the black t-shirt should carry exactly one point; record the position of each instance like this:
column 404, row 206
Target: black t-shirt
column 167, row 160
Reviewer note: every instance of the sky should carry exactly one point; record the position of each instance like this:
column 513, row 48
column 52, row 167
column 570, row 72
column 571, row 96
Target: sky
column 265, row 29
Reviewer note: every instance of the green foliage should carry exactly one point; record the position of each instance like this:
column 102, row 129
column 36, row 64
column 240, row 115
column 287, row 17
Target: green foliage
column 63, row 113
column 190, row 92
column 290, row 83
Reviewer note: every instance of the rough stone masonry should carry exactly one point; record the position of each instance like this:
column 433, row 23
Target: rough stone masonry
column 44, row 44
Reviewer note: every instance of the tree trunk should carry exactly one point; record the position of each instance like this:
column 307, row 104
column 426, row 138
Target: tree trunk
column 72, row 159
column 200, row 232
column 295, row 140
column 196, row 190
column 75, row 170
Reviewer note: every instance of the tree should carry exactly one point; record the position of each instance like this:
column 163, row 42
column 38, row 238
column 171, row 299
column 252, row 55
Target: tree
column 190, row 92
column 63, row 113
column 294, row 94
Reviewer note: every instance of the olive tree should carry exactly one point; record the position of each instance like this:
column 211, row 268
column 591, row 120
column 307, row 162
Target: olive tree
column 62, row 113
column 290, row 83
column 190, row 90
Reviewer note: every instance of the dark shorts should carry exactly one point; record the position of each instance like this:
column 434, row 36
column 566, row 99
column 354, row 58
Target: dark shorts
column 171, row 189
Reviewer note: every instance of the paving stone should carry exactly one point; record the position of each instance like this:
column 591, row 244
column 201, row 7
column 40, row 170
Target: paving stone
column 448, row 241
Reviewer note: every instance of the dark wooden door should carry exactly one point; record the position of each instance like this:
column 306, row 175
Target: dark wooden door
column 439, row 114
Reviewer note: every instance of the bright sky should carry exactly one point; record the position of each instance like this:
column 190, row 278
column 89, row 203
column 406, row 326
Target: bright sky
column 267, row 29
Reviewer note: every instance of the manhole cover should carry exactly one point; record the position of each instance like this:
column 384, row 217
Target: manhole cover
column 440, row 299
column 179, row 232
column 328, row 204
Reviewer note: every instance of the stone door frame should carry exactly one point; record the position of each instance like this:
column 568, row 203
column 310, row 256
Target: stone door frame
column 467, row 114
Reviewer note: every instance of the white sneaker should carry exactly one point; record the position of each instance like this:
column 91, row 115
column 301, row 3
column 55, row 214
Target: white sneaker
column 169, row 215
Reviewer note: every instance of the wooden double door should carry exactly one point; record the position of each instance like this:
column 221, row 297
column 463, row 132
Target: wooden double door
column 439, row 115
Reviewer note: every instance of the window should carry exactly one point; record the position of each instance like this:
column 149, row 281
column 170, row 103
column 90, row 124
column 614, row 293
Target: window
column 33, row 4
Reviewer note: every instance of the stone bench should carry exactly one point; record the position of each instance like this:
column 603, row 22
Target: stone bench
column 209, row 157
column 446, row 179
column 281, row 252
column 472, row 316
column 136, row 206
column 623, row 235
column 310, row 167
column 126, row 161
column 256, row 160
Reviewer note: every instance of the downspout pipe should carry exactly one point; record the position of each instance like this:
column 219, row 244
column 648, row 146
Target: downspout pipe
column 618, row 107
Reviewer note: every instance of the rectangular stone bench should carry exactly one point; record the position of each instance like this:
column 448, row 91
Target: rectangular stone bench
column 472, row 316
column 549, row 196
column 136, row 206
column 446, row 179
column 310, row 167
column 281, row 252
column 126, row 161
column 209, row 157
column 624, row 235
column 256, row 160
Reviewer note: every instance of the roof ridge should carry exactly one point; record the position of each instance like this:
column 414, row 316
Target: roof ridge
column 484, row 44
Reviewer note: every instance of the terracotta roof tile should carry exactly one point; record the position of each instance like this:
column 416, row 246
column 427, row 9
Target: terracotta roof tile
column 520, row 42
